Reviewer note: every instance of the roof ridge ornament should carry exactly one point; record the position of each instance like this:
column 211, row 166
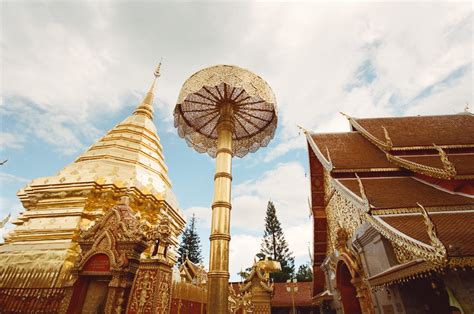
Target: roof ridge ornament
column 447, row 165
column 388, row 140
column 302, row 129
column 365, row 200
column 441, row 253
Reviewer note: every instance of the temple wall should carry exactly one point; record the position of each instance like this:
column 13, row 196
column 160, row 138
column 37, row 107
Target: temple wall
column 188, row 298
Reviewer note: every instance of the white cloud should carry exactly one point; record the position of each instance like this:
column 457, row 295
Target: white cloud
column 243, row 248
column 7, row 177
column 286, row 186
column 203, row 215
column 11, row 140
column 101, row 56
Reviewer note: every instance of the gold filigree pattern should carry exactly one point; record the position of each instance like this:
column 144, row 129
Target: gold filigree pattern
column 436, row 243
column 201, row 100
column 445, row 173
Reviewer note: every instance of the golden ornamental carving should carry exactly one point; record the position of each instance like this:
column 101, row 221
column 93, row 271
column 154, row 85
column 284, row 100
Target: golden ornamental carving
column 348, row 212
column 440, row 249
column 118, row 225
column 254, row 114
column 447, row 165
column 240, row 301
column 142, row 301
column 447, row 173
column 164, row 297
column 382, row 145
column 388, row 140
column 365, row 200
column 326, row 162
column 402, row 254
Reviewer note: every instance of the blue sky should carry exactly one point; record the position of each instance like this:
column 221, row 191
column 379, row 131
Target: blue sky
column 71, row 71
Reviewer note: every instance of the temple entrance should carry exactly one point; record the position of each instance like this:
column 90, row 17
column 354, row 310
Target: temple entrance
column 348, row 292
column 96, row 295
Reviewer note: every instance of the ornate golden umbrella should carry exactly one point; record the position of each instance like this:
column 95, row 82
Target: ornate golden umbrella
column 224, row 111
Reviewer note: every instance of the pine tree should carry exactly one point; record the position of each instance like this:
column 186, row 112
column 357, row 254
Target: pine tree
column 304, row 273
column 190, row 245
column 275, row 246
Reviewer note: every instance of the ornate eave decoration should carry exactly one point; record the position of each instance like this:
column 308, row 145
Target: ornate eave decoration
column 365, row 200
column 440, row 249
column 386, row 146
column 360, row 202
column 327, row 163
column 428, row 252
column 447, row 173
column 414, row 269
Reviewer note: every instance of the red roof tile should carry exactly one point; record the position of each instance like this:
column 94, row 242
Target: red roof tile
column 464, row 163
column 351, row 151
column 402, row 192
column 453, row 229
column 282, row 298
column 423, row 130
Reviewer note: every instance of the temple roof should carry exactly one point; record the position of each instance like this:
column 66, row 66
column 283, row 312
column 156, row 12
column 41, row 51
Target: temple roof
column 421, row 131
column 406, row 176
column 403, row 192
column 282, row 298
column 453, row 229
column 350, row 151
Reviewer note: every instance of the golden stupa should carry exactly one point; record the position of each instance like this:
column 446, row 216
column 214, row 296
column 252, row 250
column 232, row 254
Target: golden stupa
column 127, row 160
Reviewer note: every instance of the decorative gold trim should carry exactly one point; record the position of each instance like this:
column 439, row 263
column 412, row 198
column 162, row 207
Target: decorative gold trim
column 416, row 269
column 367, row 170
column 221, row 204
column 460, row 146
column 447, row 165
column 420, row 249
column 365, row 200
column 446, row 173
column 105, row 156
column 219, row 236
column 327, row 164
column 367, row 135
column 224, row 150
column 435, row 241
column 222, row 175
column 388, row 140
column 412, row 210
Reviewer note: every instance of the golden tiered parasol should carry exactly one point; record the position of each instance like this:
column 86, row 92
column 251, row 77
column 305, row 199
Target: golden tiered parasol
column 224, row 111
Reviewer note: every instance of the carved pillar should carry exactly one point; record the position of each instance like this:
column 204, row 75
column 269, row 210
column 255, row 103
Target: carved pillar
column 363, row 295
column 119, row 287
column 151, row 290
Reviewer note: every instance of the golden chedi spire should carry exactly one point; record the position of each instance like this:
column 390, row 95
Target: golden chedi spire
column 127, row 159
column 146, row 106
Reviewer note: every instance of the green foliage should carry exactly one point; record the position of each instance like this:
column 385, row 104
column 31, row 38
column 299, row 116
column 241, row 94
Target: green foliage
column 190, row 245
column 304, row 273
column 275, row 246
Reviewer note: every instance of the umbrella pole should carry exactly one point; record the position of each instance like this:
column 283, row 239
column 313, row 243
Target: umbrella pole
column 218, row 276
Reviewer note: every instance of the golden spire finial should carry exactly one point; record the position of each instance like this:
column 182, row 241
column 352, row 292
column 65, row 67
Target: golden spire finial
column 157, row 70
column 146, row 106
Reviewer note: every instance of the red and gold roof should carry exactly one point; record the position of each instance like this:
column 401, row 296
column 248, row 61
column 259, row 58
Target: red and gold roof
column 407, row 175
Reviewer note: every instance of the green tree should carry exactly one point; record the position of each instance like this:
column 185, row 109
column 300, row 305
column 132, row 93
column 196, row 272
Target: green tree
column 304, row 273
column 190, row 245
column 275, row 246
